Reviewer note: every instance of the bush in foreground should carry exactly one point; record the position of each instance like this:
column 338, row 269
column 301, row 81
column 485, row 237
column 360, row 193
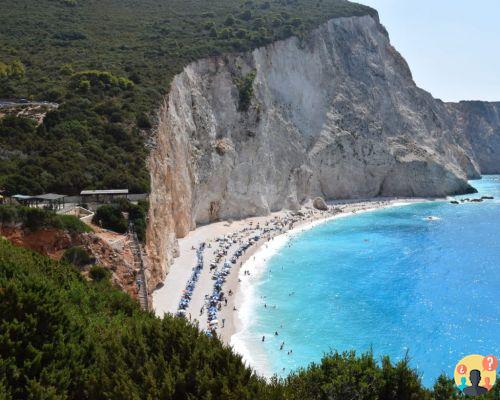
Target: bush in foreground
column 77, row 256
column 110, row 217
column 99, row 273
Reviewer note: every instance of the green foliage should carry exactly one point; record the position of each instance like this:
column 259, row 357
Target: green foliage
column 245, row 89
column 77, row 256
column 445, row 389
column 86, row 55
column 137, row 215
column 100, row 80
column 110, row 217
column 62, row 337
column 229, row 21
column 99, row 273
column 345, row 376
column 144, row 122
column 15, row 70
column 37, row 218
column 80, row 145
column 246, row 15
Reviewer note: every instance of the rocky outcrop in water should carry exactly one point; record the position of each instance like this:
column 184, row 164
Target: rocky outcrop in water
column 335, row 115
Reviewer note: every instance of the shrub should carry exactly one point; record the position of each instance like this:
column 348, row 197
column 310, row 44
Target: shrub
column 137, row 214
column 110, row 217
column 276, row 22
column 229, row 21
column 101, row 80
column 77, row 256
column 241, row 33
column 8, row 215
column 347, row 376
column 226, row 33
column 71, row 223
column 84, row 85
column 36, row 218
column 66, row 69
column 246, row 15
column 208, row 25
column 259, row 22
column 143, row 121
column 245, row 89
column 213, row 32
column 445, row 389
column 99, row 273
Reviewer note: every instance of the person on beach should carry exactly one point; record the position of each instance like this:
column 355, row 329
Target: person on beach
column 263, row 338
column 282, row 345
column 223, row 322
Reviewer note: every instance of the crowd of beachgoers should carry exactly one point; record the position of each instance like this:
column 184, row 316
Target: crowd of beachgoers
column 227, row 251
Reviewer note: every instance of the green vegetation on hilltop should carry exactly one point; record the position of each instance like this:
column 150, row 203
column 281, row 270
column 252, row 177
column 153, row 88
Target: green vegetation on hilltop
column 108, row 63
column 37, row 218
column 65, row 337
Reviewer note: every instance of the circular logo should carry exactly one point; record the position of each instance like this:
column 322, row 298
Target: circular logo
column 476, row 374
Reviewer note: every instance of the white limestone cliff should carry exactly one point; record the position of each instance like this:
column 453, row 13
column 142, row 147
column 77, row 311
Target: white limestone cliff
column 336, row 115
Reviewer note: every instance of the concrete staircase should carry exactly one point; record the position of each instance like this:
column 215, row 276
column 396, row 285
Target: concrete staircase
column 141, row 281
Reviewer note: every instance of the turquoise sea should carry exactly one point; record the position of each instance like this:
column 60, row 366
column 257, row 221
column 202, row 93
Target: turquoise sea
column 389, row 280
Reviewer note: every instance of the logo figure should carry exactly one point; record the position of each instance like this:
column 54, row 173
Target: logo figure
column 475, row 374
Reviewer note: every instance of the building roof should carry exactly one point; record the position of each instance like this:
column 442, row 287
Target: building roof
column 107, row 191
column 21, row 197
column 49, row 196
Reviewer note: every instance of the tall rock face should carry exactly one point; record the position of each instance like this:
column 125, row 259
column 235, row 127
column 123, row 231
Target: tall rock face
column 479, row 123
column 335, row 115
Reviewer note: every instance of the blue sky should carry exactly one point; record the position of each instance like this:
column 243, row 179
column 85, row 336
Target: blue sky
column 452, row 46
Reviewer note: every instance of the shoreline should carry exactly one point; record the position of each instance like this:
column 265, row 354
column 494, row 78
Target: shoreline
column 232, row 315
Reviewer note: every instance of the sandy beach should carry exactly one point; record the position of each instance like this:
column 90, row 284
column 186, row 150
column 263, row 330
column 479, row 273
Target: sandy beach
column 217, row 293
